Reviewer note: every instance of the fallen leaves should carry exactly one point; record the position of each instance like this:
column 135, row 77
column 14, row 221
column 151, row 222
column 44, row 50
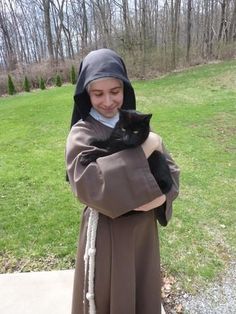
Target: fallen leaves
column 169, row 294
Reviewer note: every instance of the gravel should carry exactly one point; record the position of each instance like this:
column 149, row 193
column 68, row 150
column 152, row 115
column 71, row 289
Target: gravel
column 219, row 298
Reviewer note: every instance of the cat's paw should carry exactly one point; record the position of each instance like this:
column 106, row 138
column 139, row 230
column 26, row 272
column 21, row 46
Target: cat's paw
column 165, row 186
column 86, row 158
column 160, row 215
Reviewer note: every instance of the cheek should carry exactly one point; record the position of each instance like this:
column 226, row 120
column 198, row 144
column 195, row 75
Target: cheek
column 94, row 100
column 119, row 99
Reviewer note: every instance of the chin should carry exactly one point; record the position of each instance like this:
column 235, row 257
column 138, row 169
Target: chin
column 109, row 114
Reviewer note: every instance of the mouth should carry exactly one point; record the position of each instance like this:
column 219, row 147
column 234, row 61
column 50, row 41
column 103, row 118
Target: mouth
column 109, row 109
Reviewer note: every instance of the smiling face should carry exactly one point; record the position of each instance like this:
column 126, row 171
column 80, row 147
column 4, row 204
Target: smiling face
column 106, row 96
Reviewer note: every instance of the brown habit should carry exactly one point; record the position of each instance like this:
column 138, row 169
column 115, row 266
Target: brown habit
column 127, row 269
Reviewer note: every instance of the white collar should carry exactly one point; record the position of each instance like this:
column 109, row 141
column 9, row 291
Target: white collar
column 111, row 122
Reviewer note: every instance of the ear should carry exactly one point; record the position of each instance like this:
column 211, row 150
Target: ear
column 147, row 117
column 122, row 113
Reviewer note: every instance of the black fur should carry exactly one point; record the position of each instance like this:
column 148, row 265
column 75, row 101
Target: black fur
column 132, row 130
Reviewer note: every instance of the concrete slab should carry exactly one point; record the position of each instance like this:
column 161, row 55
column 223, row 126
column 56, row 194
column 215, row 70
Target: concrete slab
column 36, row 292
column 48, row 292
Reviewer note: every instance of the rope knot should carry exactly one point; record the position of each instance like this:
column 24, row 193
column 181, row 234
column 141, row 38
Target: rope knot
column 89, row 296
column 91, row 252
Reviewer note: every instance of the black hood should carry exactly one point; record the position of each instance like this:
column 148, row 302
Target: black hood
column 98, row 64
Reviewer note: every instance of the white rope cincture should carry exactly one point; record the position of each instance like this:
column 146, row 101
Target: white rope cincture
column 89, row 259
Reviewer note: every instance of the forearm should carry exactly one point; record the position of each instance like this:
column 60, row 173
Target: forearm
column 112, row 176
column 153, row 204
column 152, row 143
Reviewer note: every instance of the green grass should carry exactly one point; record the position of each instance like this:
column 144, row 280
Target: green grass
column 39, row 216
column 194, row 112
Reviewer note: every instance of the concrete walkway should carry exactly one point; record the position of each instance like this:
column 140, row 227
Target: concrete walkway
column 47, row 292
column 36, row 292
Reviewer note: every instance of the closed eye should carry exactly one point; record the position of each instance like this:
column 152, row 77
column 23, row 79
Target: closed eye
column 135, row 132
column 97, row 94
column 115, row 92
column 123, row 130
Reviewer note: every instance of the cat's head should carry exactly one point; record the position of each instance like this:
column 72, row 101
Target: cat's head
column 134, row 127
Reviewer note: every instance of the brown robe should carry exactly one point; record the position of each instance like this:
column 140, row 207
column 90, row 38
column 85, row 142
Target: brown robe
column 127, row 267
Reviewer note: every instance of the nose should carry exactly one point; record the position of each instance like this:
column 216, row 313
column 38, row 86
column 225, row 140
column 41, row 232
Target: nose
column 126, row 138
column 107, row 101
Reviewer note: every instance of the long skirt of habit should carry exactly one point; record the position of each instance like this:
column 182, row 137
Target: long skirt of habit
column 127, row 266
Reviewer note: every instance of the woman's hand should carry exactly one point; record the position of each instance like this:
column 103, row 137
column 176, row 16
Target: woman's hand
column 152, row 143
column 153, row 204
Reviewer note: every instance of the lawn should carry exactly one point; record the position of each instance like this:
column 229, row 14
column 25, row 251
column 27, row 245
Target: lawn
column 194, row 112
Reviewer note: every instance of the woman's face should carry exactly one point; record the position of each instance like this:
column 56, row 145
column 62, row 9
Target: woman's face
column 106, row 96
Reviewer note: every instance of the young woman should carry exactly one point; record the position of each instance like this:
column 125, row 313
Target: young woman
column 120, row 272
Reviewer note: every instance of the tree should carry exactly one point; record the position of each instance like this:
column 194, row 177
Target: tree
column 175, row 13
column 72, row 75
column 8, row 46
column 149, row 34
column 223, row 22
column 188, row 29
column 84, row 34
column 11, row 86
column 42, row 83
column 58, row 81
column 47, row 21
column 26, row 85
column 232, row 27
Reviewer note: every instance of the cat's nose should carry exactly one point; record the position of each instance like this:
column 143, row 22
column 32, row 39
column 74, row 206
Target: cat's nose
column 126, row 138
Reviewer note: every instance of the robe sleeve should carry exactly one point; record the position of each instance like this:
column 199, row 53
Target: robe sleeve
column 113, row 185
column 174, row 192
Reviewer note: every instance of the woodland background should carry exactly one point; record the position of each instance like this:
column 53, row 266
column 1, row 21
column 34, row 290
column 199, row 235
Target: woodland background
column 41, row 38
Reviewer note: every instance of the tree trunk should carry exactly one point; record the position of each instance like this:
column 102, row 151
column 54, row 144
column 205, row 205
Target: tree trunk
column 10, row 53
column 84, row 36
column 175, row 8
column 232, row 27
column 189, row 29
column 222, row 20
column 47, row 21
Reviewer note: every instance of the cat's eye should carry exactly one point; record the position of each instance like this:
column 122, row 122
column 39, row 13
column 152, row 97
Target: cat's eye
column 123, row 129
column 135, row 132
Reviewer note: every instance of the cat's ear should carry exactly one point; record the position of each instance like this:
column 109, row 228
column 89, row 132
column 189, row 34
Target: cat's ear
column 147, row 117
column 121, row 113
column 124, row 115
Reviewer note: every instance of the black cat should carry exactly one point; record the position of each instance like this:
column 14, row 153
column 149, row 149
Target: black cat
column 130, row 131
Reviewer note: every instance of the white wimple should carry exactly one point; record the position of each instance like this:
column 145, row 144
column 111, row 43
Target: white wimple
column 89, row 259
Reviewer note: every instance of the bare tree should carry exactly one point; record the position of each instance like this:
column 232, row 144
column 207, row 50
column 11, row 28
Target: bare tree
column 145, row 31
column 175, row 12
column 189, row 29
column 223, row 22
column 84, row 35
column 10, row 56
column 47, row 20
column 58, row 17
column 232, row 27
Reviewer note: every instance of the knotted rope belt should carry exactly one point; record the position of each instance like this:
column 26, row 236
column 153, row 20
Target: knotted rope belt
column 89, row 260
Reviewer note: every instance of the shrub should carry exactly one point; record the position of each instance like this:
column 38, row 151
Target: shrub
column 26, row 85
column 72, row 75
column 11, row 86
column 58, row 80
column 42, row 83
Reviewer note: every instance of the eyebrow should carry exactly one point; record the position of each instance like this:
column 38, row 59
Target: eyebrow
column 99, row 90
